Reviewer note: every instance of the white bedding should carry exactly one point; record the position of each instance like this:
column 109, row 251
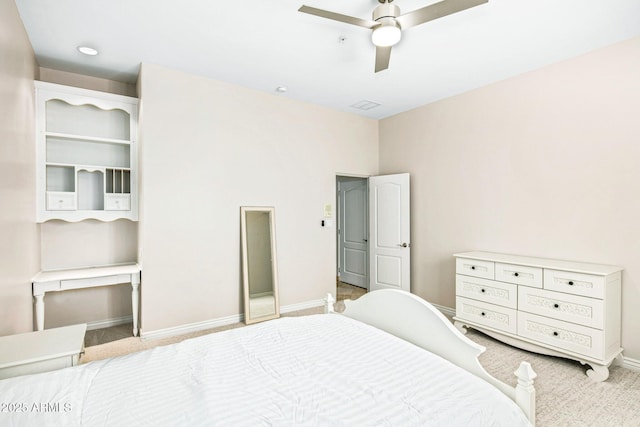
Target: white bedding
column 322, row 370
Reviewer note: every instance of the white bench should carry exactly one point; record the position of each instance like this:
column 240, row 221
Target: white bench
column 41, row 351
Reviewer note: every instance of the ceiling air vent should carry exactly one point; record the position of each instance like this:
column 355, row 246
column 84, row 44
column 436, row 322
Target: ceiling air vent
column 365, row 105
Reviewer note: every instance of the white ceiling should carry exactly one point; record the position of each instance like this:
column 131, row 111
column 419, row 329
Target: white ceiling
column 263, row 45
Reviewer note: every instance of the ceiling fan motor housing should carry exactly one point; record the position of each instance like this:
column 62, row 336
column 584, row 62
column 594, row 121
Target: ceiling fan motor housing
column 386, row 10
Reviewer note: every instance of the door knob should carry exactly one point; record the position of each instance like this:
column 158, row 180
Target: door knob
column 404, row 245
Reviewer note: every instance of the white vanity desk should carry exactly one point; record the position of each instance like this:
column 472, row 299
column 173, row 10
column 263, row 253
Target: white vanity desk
column 63, row 280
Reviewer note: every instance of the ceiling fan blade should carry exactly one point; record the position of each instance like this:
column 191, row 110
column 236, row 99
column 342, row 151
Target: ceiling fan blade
column 435, row 11
column 338, row 17
column 383, row 55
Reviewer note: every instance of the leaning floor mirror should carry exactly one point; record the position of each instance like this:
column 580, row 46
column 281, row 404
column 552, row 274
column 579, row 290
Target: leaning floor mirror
column 259, row 266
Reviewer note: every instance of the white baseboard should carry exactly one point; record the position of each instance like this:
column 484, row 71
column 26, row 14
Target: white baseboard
column 630, row 363
column 302, row 306
column 191, row 327
column 107, row 323
column 221, row 321
column 449, row 312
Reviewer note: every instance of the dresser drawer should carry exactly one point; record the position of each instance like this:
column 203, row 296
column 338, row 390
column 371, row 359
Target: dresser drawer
column 61, row 201
column 117, row 202
column 519, row 274
column 504, row 294
column 571, row 308
column 575, row 283
column 562, row 335
column 490, row 315
column 474, row 267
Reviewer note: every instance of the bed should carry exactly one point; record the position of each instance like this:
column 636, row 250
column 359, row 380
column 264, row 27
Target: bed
column 367, row 366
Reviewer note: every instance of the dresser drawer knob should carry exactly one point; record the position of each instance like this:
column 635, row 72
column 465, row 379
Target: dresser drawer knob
column 516, row 274
column 570, row 282
column 483, row 314
column 556, row 306
column 482, row 290
column 555, row 334
column 473, row 267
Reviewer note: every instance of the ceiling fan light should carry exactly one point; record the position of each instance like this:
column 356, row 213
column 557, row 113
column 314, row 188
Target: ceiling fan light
column 387, row 34
column 88, row 50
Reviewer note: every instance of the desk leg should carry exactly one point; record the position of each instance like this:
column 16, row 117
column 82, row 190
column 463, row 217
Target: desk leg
column 39, row 311
column 135, row 298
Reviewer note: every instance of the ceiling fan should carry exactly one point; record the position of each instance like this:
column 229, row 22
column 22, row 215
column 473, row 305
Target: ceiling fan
column 387, row 23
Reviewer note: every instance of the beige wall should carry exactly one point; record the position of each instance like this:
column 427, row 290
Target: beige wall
column 210, row 147
column 87, row 82
column 543, row 164
column 19, row 235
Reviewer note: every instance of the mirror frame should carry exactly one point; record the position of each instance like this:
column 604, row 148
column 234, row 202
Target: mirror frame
column 248, row 319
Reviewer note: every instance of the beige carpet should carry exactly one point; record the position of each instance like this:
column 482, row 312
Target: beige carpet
column 566, row 397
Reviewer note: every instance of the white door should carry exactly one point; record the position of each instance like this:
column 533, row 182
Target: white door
column 353, row 231
column 390, row 248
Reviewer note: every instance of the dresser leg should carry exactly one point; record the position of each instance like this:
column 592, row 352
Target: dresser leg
column 617, row 361
column 598, row 373
column 461, row 327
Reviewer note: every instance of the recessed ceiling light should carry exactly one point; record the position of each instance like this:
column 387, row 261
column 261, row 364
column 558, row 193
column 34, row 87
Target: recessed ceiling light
column 88, row 50
column 281, row 89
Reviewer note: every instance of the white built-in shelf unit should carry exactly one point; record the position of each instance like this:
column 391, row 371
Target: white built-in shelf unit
column 86, row 154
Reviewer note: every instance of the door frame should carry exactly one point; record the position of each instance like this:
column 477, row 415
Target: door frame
column 338, row 224
column 341, row 178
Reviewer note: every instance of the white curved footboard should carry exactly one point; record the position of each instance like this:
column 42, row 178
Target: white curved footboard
column 413, row 319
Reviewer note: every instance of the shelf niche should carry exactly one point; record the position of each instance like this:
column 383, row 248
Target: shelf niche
column 79, row 152
column 87, row 120
column 61, row 178
column 90, row 190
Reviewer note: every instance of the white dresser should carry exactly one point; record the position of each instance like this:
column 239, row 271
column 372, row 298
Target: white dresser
column 559, row 308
